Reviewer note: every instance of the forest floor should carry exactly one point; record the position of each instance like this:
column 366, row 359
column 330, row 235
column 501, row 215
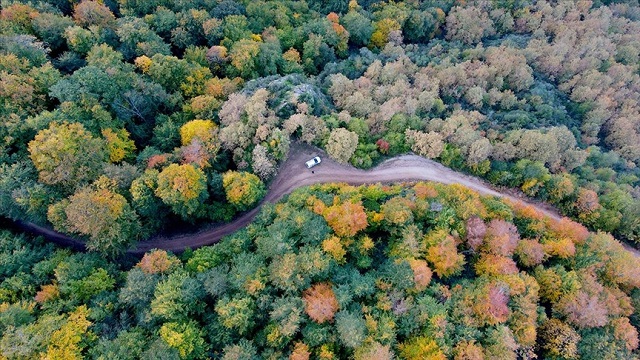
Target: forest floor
column 294, row 174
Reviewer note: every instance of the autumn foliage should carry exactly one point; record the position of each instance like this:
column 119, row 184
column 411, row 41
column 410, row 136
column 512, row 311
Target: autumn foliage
column 158, row 262
column 442, row 254
column 346, row 219
column 320, row 302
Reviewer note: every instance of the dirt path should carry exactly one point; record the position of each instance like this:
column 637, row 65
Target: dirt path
column 294, row 174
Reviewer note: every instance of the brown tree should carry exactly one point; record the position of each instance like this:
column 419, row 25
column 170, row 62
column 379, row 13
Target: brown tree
column 320, row 302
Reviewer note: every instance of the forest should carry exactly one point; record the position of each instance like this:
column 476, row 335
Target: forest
column 119, row 117
column 122, row 120
column 410, row 271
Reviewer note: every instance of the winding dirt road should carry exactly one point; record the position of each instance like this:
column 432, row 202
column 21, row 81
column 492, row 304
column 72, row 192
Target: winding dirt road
column 294, row 174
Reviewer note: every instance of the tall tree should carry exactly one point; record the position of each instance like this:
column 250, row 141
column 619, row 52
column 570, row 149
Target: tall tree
column 184, row 189
column 66, row 154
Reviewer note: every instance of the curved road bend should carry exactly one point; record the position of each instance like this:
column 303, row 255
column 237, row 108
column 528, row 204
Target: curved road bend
column 294, row 174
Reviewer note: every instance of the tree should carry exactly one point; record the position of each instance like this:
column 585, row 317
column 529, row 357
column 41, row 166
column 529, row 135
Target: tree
column 342, row 144
column 105, row 217
column 127, row 345
column 136, row 39
column 359, row 27
column 262, row 163
column 397, row 210
column 468, row 350
column 203, row 130
column 300, row 352
column 351, row 328
column 491, row 305
column 442, row 253
column 200, row 142
column 625, row 332
column 476, row 230
column 421, row 347
column 421, row 26
column 374, row 351
column 244, row 349
column 158, row 262
column 316, row 53
column 421, row 273
column 346, row 219
column 50, row 28
column 529, row 252
column 187, row 338
column 236, row 314
column 144, row 200
column 320, row 302
column 429, row 145
column 243, row 55
column 178, row 74
column 468, row 24
column 495, row 265
column 184, row 189
column 382, row 29
column 66, row 342
column 243, row 190
column 177, row 297
column 68, row 155
column 501, row 238
column 88, row 13
column 558, row 339
column 118, row 144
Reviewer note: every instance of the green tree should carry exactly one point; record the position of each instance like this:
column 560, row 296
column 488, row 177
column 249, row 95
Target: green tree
column 177, row 297
column 316, row 54
column 128, row 345
column 236, row 313
column 351, row 328
column 136, row 38
column 235, row 28
column 50, row 28
column 359, row 27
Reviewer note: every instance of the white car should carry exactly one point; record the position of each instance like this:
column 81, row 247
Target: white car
column 313, row 162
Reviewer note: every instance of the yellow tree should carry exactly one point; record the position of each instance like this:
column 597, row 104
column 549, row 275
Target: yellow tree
column 119, row 145
column 158, row 261
column 243, row 190
column 183, row 188
column 421, row 348
column 442, row 253
column 66, row 154
column 66, row 342
column 199, row 141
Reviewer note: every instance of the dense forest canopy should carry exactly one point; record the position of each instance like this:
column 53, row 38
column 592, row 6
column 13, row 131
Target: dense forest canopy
column 122, row 116
column 119, row 117
column 414, row 271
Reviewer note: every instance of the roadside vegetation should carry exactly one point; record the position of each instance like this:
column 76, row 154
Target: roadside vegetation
column 413, row 271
